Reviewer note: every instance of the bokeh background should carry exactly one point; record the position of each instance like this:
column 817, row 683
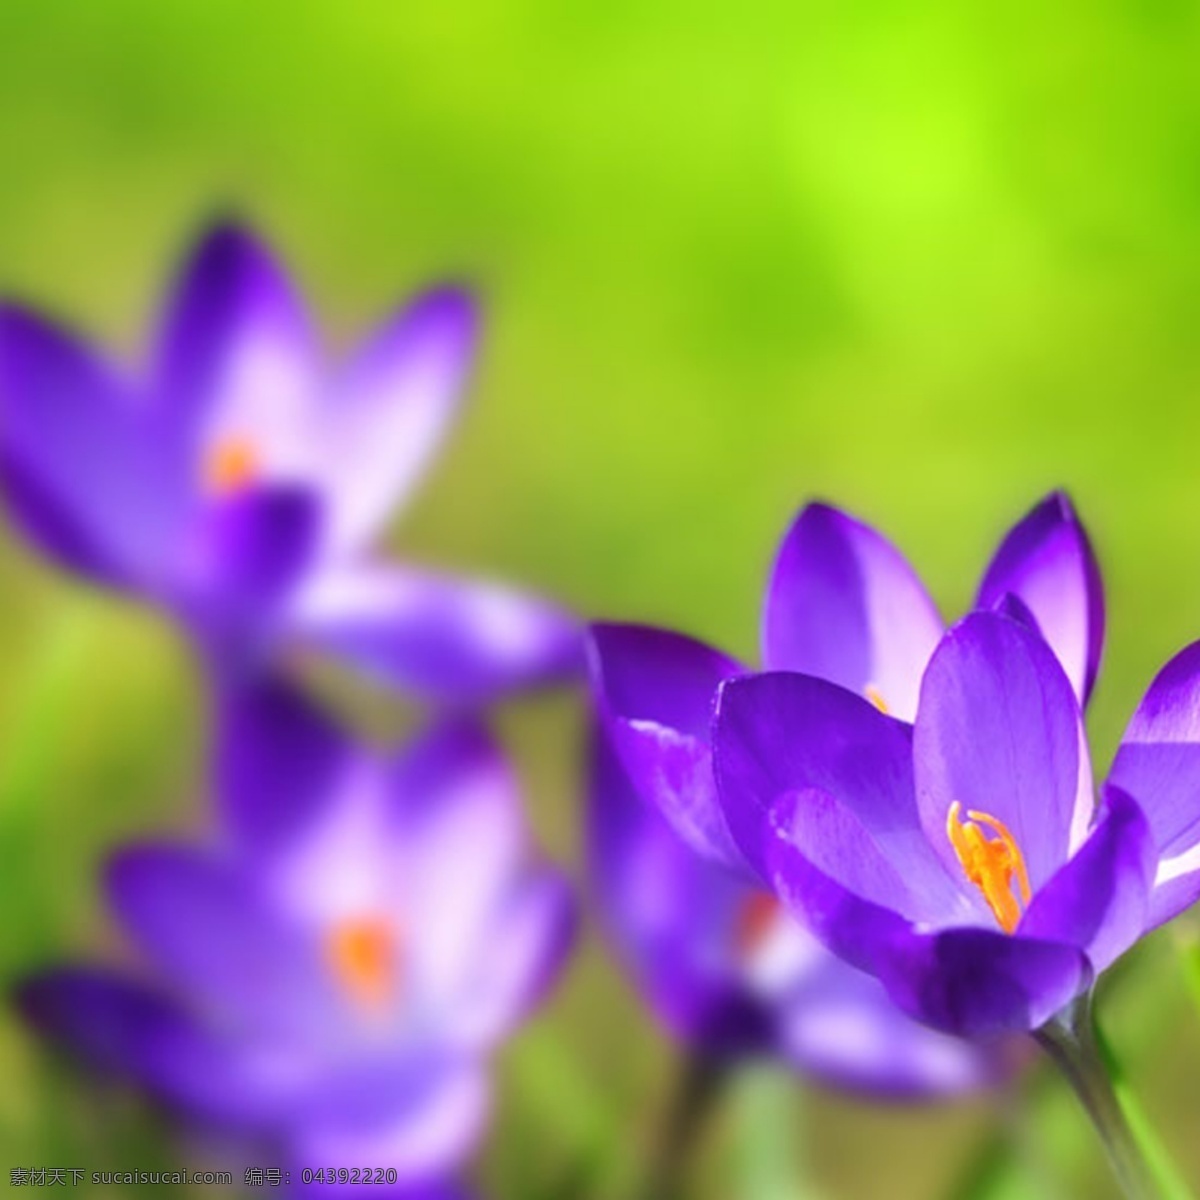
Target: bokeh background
column 927, row 260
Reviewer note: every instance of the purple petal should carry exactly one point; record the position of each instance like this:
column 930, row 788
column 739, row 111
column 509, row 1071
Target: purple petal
column 209, row 932
column 656, row 691
column 279, row 760
column 389, row 413
column 243, row 560
column 520, row 960
column 432, row 1129
column 837, row 774
column 78, row 470
column 454, row 639
column 981, row 983
column 1158, row 761
column 844, row 605
column 236, row 358
column 1047, row 561
column 840, row 1026
column 1158, row 764
column 670, row 914
column 856, row 928
column 1000, row 732
column 124, row 1029
column 455, row 801
column 1098, row 900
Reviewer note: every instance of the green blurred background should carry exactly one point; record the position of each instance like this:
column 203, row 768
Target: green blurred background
column 926, row 260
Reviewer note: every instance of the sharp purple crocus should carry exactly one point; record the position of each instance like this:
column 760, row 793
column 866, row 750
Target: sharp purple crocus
column 238, row 482
column 690, row 911
column 842, row 604
column 964, row 860
column 328, row 984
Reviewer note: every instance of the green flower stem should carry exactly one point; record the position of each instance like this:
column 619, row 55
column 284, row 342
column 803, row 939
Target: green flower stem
column 1071, row 1042
column 701, row 1082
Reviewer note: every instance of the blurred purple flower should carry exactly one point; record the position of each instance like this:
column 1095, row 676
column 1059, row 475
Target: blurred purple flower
column 329, row 985
column 964, row 861
column 728, row 971
column 237, row 482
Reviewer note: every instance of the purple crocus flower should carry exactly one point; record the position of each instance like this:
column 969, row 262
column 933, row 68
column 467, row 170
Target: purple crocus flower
column 237, row 482
column 730, row 971
column 731, row 974
column 964, row 861
column 842, row 604
column 328, row 985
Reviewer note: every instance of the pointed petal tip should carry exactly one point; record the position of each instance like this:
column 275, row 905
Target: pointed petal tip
column 226, row 238
column 128, row 868
column 453, row 308
column 601, row 639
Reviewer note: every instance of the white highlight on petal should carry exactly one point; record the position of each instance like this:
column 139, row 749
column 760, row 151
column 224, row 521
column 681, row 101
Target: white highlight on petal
column 1177, row 865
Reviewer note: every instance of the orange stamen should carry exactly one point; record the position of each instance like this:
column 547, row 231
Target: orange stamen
column 230, row 465
column 754, row 922
column 991, row 864
column 875, row 696
column 364, row 957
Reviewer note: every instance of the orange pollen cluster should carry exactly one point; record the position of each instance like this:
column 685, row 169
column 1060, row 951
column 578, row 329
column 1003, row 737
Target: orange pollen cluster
column 755, row 919
column 230, row 465
column 363, row 955
column 875, row 696
column 990, row 863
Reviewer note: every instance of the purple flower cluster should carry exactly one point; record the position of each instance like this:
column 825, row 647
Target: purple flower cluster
column 879, row 859
column 322, row 983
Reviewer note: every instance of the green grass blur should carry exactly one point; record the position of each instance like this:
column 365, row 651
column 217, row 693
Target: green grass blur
column 926, row 260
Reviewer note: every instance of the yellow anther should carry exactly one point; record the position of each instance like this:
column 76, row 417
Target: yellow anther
column 363, row 955
column 990, row 863
column 230, row 465
column 875, row 696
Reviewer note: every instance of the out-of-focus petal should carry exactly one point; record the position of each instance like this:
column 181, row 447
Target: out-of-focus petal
column 243, row 558
column 432, row 1127
column 451, row 638
column 278, row 762
column 844, row 605
column 982, row 983
column 520, row 959
column 840, row 1026
column 455, row 801
column 656, row 692
column 1099, row 900
column 201, row 923
column 671, row 915
column 78, row 470
column 236, row 358
column 842, row 770
column 123, row 1029
column 1000, row 732
column 387, row 416
column 1047, row 561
